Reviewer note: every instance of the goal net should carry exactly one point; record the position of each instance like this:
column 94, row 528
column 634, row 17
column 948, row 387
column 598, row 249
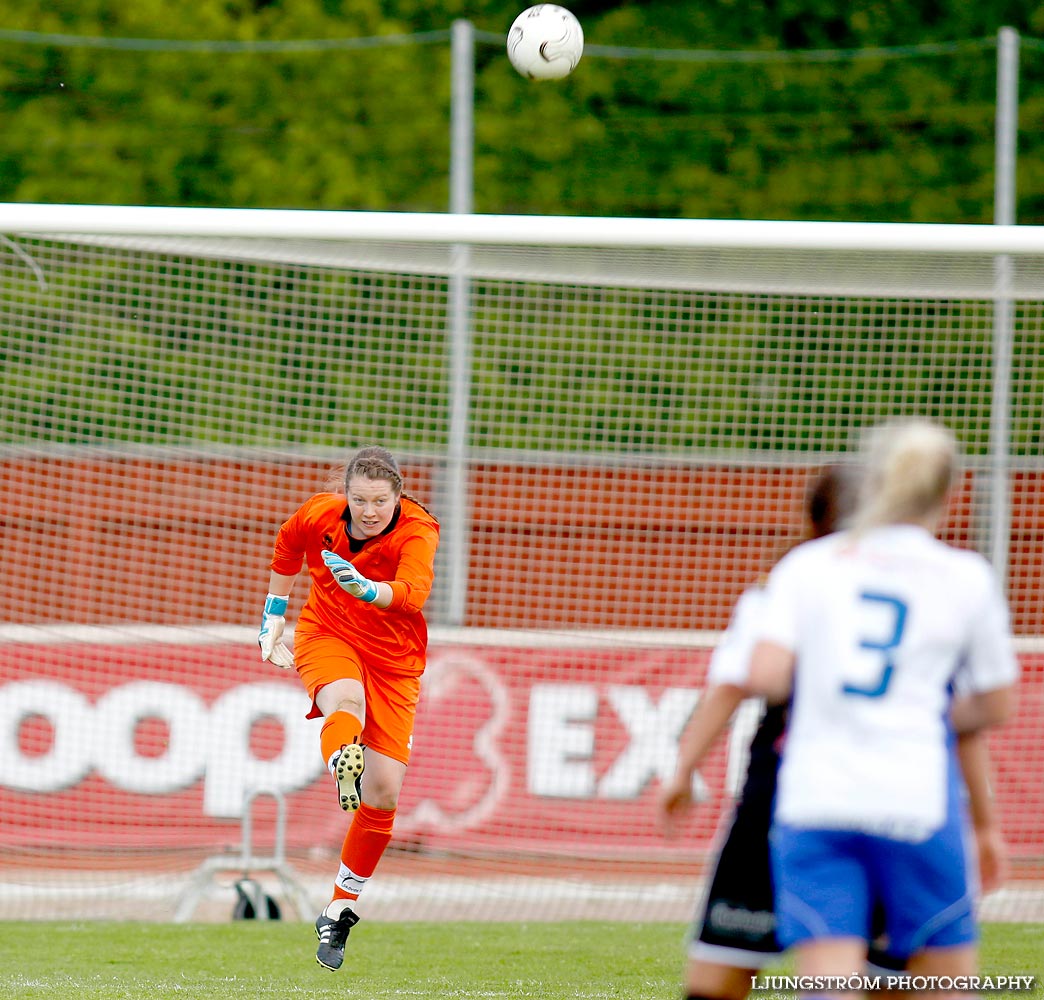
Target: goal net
column 616, row 422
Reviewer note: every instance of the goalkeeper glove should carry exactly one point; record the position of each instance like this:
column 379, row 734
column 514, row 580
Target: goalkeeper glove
column 350, row 578
column 273, row 649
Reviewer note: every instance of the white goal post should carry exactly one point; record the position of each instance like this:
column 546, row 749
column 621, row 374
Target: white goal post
column 520, row 230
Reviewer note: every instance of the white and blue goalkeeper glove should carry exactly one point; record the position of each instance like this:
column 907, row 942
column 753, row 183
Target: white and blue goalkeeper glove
column 273, row 649
column 350, row 578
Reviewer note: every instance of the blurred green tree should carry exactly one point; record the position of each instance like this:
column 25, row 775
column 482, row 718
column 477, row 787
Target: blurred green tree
column 780, row 110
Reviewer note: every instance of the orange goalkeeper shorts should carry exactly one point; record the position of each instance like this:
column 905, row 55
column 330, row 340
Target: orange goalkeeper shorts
column 391, row 698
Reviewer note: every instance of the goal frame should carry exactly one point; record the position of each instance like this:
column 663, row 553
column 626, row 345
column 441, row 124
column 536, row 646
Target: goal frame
column 1008, row 264
column 1002, row 242
column 505, row 230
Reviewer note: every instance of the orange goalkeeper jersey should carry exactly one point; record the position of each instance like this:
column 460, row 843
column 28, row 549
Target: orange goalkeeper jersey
column 394, row 639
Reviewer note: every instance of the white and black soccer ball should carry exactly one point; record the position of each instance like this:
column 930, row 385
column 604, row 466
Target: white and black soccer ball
column 545, row 42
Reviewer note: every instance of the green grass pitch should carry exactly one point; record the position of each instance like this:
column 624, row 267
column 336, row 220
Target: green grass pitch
column 550, row 961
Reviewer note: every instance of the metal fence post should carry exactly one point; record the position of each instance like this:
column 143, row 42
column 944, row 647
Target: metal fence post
column 1006, row 139
column 455, row 511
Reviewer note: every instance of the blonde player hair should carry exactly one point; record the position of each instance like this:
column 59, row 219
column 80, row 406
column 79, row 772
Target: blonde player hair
column 909, row 470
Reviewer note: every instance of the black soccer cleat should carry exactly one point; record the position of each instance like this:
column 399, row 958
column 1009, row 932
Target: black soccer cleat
column 332, row 936
column 348, row 769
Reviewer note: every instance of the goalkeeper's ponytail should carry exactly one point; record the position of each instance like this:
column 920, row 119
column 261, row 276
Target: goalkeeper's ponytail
column 374, row 462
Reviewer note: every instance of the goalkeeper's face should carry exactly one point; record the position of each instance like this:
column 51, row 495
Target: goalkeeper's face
column 371, row 504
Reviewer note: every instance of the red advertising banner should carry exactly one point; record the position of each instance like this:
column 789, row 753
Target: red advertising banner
column 554, row 748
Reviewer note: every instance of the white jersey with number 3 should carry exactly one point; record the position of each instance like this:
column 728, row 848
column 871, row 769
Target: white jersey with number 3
column 881, row 626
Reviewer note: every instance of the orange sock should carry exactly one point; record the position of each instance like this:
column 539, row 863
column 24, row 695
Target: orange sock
column 339, row 729
column 367, row 838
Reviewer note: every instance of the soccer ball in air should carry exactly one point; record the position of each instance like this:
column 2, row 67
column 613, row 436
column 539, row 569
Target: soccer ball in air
column 545, row 42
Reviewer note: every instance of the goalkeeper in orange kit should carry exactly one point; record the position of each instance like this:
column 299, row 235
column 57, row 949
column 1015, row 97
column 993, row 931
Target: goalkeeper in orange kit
column 359, row 647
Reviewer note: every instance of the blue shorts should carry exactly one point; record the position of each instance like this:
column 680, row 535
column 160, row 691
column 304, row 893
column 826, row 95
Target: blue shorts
column 827, row 882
